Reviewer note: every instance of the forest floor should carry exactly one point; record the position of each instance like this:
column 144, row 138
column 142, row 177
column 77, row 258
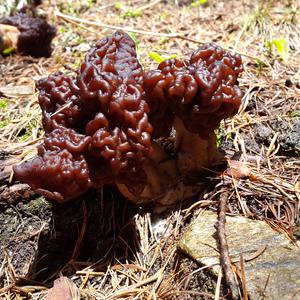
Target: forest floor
column 105, row 246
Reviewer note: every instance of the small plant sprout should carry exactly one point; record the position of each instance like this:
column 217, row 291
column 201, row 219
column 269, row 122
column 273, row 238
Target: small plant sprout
column 119, row 6
column 295, row 113
column 62, row 29
column 198, row 3
column 127, row 12
column 260, row 64
column 131, row 14
column 3, row 104
column 281, row 46
column 134, row 37
column 4, row 123
column 90, row 3
column 8, row 51
column 159, row 58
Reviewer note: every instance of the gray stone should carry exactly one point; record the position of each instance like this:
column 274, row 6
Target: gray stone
column 280, row 261
column 288, row 138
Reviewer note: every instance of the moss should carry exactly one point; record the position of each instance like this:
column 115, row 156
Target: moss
column 3, row 104
column 38, row 205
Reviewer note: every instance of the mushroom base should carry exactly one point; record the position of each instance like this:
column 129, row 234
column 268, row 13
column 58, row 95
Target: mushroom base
column 195, row 153
column 166, row 177
column 162, row 180
column 8, row 37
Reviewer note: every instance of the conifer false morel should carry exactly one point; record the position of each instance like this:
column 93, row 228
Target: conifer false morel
column 104, row 125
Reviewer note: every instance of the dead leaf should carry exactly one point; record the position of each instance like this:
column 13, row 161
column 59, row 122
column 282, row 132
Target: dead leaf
column 63, row 289
column 15, row 91
column 13, row 194
column 238, row 169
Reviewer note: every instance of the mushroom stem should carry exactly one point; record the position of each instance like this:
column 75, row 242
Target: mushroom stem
column 8, row 37
column 160, row 171
column 194, row 153
column 164, row 185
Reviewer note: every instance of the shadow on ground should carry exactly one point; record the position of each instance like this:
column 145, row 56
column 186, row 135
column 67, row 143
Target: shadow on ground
column 97, row 229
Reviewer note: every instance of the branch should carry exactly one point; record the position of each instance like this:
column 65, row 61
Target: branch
column 98, row 24
column 224, row 251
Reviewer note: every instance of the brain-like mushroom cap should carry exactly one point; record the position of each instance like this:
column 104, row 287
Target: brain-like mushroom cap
column 58, row 175
column 110, row 80
column 96, row 123
column 201, row 91
column 59, row 103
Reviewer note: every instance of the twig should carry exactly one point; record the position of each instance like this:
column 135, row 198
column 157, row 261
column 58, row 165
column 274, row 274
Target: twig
column 295, row 294
column 243, row 278
column 68, row 104
column 148, row 5
column 191, row 293
column 6, row 288
column 224, row 252
column 265, row 287
column 218, row 287
column 79, row 242
column 67, row 17
column 135, row 287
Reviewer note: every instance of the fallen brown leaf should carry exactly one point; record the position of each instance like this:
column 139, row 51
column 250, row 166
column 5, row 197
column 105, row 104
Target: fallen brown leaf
column 238, row 169
column 63, row 289
column 15, row 91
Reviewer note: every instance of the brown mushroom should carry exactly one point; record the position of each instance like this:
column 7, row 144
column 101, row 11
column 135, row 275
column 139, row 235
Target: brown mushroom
column 103, row 125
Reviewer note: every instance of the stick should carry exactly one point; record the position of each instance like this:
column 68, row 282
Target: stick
column 224, row 252
column 98, row 24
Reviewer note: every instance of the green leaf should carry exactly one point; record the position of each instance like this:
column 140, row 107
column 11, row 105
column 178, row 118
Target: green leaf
column 158, row 58
column 295, row 113
column 8, row 51
column 4, row 123
column 281, row 46
column 198, row 3
column 119, row 6
column 134, row 37
column 62, row 29
column 170, row 56
column 3, row 104
column 131, row 14
column 260, row 63
column 26, row 135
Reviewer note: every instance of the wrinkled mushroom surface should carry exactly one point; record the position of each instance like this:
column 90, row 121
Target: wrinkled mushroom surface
column 98, row 118
column 103, row 123
column 201, row 91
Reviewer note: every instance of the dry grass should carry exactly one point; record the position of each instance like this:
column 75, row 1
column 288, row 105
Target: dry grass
column 271, row 193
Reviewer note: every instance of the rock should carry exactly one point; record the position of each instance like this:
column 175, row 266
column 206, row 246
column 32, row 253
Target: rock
column 280, row 261
column 288, row 138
